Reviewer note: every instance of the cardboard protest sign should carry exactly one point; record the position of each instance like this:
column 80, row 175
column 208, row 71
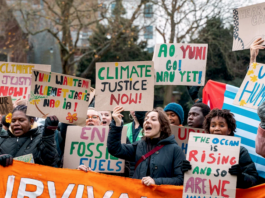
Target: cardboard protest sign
column 211, row 156
column 6, row 105
column 182, row 135
column 61, row 95
column 248, row 25
column 251, row 93
column 180, row 64
column 25, row 158
column 88, row 146
column 128, row 84
column 15, row 78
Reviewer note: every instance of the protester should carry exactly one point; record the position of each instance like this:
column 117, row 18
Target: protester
column 254, row 49
column 175, row 113
column 164, row 164
column 106, row 117
column 24, row 138
column 260, row 138
column 222, row 122
column 93, row 117
column 197, row 114
column 5, row 125
column 134, row 134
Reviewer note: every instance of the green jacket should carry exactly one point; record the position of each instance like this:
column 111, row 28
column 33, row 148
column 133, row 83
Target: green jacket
column 130, row 135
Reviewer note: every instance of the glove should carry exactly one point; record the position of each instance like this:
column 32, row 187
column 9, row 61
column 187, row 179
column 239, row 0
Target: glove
column 261, row 114
column 235, row 170
column 51, row 124
column 193, row 92
column 185, row 166
column 6, row 160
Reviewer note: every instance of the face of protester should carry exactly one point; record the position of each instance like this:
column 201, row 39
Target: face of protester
column 152, row 125
column 106, row 118
column 92, row 118
column 195, row 118
column 218, row 126
column 20, row 123
column 173, row 118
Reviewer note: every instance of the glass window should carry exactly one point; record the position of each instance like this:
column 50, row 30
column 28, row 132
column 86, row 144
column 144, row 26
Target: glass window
column 148, row 10
column 112, row 7
column 148, row 32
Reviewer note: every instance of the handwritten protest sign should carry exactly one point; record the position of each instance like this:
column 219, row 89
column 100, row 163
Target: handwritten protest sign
column 88, row 146
column 15, row 78
column 180, row 64
column 128, row 84
column 6, row 105
column 248, row 25
column 61, row 95
column 211, row 156
column 25, row 158
column 182, row 135
column 252, row 90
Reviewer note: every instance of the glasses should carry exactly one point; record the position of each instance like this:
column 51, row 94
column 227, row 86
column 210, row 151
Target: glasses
column 93, row 117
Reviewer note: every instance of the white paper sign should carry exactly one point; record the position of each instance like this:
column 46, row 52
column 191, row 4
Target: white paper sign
column 251, row 93
column 180, row 64
column 249, row 25
column 210, row 157
column 182, row 135
column 15, row 78
column 61, row 95
column 127, row 84
column 88, row 146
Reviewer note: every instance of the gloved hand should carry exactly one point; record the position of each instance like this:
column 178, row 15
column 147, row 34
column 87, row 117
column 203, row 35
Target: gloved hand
column 51, row 124
column 261, row 114
column 235, row 170
column 185, row 166
column 193, row 92
column 6, row 160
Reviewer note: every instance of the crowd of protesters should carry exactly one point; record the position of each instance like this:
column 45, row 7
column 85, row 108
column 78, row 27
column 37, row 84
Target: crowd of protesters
column 148, row 134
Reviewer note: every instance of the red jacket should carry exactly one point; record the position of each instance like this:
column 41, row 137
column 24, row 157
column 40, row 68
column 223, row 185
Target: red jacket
column 260, row 142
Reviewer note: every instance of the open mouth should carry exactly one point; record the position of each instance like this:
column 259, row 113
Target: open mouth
column 18, row 130
column 104, row 122
column 90, row 124
column 148, row 128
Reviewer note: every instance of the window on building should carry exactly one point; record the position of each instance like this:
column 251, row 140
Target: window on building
column 112, row 7
column 102, row 9
column 148, row 32
column 148, row 10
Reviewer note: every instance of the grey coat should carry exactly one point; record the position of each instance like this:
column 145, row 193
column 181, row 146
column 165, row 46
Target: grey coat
column 165, row 164
column 34, row 142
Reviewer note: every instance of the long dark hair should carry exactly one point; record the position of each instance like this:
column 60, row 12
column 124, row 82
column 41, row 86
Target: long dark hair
column 164, row 123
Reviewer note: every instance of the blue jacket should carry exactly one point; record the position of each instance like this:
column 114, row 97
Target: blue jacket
column 165, row 164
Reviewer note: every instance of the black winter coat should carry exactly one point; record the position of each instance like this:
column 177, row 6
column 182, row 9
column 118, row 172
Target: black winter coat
column 165, row 164
column 34, row 142
column 249, row 175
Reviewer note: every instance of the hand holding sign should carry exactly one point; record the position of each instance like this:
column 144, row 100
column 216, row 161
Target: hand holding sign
column 254, row 49
column 117, row 116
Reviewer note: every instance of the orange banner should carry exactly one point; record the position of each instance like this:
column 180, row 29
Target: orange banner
column 32, row 180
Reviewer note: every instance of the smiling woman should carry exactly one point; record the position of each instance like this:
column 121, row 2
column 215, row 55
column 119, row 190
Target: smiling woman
column 162, row 159
column 23, row 138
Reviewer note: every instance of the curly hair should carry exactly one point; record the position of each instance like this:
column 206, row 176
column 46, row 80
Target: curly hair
column 164, row 123
column 224, row 113
column 22, row 108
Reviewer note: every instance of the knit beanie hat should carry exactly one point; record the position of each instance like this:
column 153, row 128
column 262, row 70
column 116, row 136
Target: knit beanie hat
column 177, row 109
